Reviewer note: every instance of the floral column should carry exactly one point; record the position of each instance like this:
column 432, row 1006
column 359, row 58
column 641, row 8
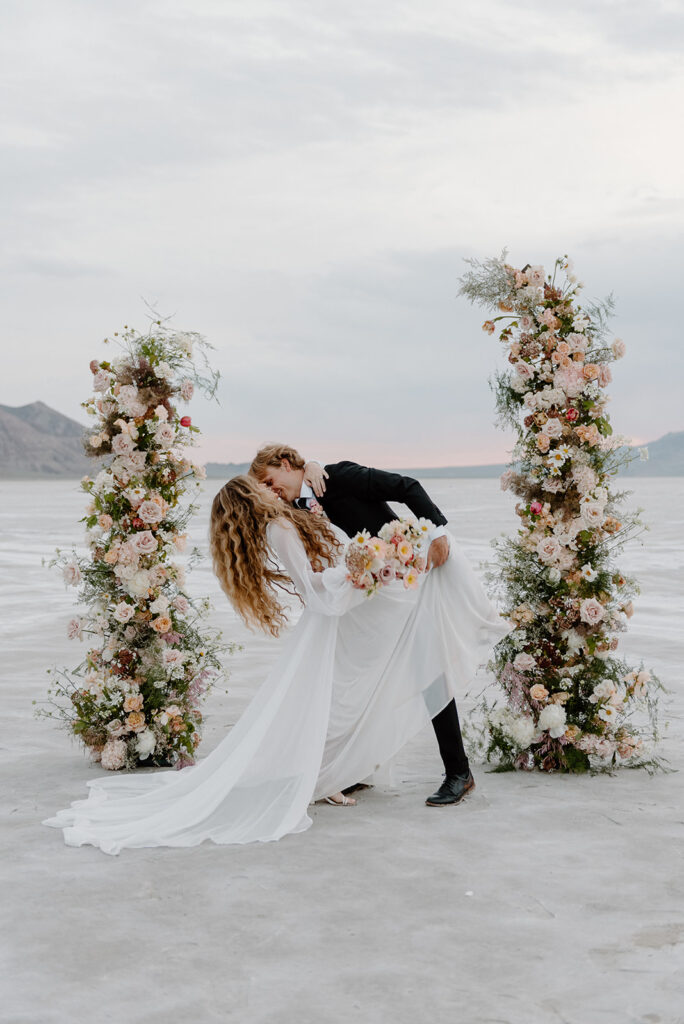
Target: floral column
column 571, row 702
column 135, row 699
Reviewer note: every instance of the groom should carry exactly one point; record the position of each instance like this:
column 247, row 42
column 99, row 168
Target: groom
column 355, row 498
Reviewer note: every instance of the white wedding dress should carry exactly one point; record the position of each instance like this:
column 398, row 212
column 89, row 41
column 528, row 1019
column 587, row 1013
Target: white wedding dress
column 356, row 678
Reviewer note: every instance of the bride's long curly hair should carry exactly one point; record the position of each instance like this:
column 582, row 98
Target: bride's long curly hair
column 243, row 562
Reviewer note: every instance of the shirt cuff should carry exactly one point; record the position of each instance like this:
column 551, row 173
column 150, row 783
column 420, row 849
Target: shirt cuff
column 439, row 531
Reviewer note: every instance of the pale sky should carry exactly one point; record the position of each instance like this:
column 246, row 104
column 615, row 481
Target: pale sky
column 300, row 182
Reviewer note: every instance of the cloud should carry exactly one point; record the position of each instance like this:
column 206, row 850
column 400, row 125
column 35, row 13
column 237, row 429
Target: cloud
column 301, row 182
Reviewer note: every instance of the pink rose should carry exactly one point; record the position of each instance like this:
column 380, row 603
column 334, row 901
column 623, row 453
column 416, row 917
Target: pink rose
column 185, row 421
column 548, row 549
column 165, row 435
column 571, row 415
column 122, row 444
column 75, row 629
column 105, row 521
column 71, row 574
column 591, row 611
column 387, row 574
column 618, row 348
column 94, row 366
column 536, row 507
column 144, row 542
column 524, row 662
column 181, row 604
column 523, row 370
column 150, row 512
column 535, row 276
column 187, row 389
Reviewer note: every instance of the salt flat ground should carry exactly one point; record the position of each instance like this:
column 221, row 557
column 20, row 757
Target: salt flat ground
column 540, row 899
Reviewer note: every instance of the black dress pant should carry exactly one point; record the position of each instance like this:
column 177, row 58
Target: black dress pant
column 448, row 732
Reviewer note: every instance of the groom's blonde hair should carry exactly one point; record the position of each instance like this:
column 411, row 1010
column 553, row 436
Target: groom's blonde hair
column 273, row 455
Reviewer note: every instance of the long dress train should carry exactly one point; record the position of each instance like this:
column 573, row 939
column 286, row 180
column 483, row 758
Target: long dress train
column 355, row 680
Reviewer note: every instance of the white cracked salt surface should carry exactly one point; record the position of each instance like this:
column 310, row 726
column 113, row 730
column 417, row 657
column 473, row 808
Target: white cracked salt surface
column 539, row 899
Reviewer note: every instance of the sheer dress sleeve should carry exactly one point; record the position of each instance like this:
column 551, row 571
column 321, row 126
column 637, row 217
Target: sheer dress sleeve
column 328, row 592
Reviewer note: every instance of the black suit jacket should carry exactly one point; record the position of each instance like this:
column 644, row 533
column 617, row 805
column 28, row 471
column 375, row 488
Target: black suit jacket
column 356, row 497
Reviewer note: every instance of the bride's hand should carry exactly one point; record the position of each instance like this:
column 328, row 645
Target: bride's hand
column 315, row 476
column 438, row 552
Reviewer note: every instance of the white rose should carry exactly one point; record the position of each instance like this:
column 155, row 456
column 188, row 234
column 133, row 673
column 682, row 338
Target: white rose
column 124, row 612
column 139, row 584
column 592, row 513
column 160, row 605
column 603, row 691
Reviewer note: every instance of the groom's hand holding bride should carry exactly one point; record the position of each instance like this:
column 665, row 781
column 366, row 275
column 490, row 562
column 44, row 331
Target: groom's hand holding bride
column 315, row 476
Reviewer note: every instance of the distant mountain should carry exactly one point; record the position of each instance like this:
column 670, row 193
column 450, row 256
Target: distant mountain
column 36, row 441
column 665, row 457
column 225, row 470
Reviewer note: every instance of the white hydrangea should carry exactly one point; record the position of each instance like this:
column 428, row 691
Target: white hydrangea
column 552, row 720
column 145, row 743
column 519, row 729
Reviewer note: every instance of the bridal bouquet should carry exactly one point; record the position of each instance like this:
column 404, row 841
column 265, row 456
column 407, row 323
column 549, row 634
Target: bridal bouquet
column 572, row 702
column 395, row 554
column 135, row 698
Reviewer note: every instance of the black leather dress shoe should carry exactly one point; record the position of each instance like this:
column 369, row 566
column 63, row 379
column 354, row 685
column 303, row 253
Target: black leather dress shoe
column 452, row 790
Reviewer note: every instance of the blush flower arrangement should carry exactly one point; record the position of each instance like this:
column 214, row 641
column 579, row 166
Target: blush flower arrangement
column 571, row 703
column 397, row 553
column 135, row 699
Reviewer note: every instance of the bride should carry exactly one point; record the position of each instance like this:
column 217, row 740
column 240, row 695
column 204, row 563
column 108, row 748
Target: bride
column 355, row 680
